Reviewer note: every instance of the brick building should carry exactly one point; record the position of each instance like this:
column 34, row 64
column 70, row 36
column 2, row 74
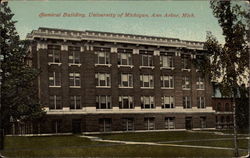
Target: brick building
column 100, row 82
column 223, row 107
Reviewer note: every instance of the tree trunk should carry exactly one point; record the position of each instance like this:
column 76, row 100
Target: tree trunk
column 236, row 150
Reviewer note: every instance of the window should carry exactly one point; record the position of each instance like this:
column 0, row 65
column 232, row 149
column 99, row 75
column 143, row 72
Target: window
column 147, row 60
column 201, row 102
column 54, row 79
column 102, row 58
column 147, row 102
column 167, row 82
column 147, row 81
column 54, row 56
column 105, row 124
column 56, row 126
column 167, row 102
column 169, row 122
column 200, row 83
column 75, row 102
column 167, row 61
column 227, row 107
column 74, row 79
column 126, row 102
column 124, row 59
column 149, row 123
column 128, row 124
column 102, row 79
column 103, row 102
column 74, row 57
column 126, row 80
column 186, row 102
column 185, row 60
column 203, row 122
column 55, row 102
column 199, row 60
column 218, row 107
column 186, row 82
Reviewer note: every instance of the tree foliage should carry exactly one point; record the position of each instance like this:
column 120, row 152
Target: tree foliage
column 229, row 62
column 18, row 93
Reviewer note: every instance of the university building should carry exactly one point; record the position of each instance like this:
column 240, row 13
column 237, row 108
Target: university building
column 101, row 82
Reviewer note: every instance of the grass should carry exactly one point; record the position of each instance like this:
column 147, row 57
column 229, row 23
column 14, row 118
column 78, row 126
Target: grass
column 123, row 151
column 36, row 142
column 161, row 136
column 74, row 146
column 243, row 143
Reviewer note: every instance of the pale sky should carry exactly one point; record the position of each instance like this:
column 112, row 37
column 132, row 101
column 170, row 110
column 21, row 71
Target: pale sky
column 194, row 28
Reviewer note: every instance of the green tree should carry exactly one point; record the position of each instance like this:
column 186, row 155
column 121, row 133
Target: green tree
column 229, row 63
column 18, row 93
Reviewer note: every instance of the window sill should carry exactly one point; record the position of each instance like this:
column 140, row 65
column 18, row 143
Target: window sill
column 108, row 65
column 74, row 86
column 166, row 88
column 186, row 70
column 55, row 109
column 147, row 108
column 147, row 87
column 130, row 66
column 51, row 63
column 186, row 88
column 168, row 68
column 126, row 87
column 75, row 109
column 103, row 86
column 200, row 89
column 147, row 67
column 167, row 108
column 104, row 109
column 54, row 86
column 71, row 64
column 123, row 109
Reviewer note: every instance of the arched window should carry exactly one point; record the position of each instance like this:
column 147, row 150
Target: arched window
column 218, row 107
column 228, row 119
column 227, row 107
column 222, row 119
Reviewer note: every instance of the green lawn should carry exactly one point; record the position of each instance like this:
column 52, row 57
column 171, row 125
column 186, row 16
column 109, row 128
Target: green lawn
column 123, row 151
column 35, row 142
column 243, row 144
column 161, row 136
column 75, row 146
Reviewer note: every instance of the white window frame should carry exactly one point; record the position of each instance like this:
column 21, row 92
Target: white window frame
column 151, row 102
column 128, row 58
column 167, row 61
column 185, row 102
column 107, row 82
column 130, row 85
column 185, row 80
column 200, row 84
column 169, row 122
column 149, row 78
column 54, row 79
column 168, row 100
column 73, row 56
column 55, row 102
column 201, row 103
column 75, row 102
column 51, row 54
column 106, row 58
column 147, row 63
column 107, row 99
column 148, row 124
column 169, row 79
column 203, row 122
column 186, row 63
column 130, row 102
column 126, row 121
column 75, row 76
